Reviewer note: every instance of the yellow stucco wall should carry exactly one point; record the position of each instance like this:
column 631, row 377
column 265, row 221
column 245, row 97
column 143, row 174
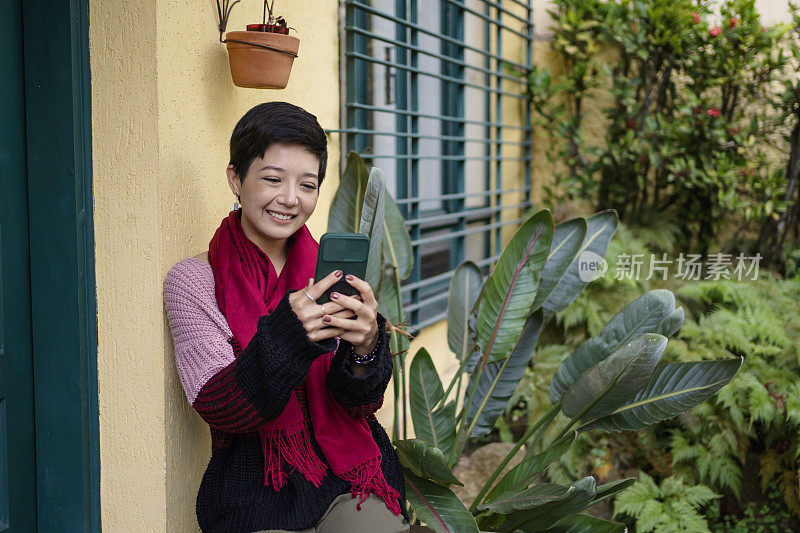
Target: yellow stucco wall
column 163, row 108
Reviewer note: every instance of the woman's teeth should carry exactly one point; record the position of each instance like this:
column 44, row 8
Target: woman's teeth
column 280, row 216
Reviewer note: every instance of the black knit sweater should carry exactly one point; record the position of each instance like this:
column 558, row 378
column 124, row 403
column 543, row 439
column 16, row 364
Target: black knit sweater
column 253, row 390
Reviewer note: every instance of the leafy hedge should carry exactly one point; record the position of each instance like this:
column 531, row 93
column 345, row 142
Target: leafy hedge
column 703, row 120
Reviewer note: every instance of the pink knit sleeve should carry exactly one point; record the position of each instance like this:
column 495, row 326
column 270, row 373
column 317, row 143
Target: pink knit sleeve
column 199, row 330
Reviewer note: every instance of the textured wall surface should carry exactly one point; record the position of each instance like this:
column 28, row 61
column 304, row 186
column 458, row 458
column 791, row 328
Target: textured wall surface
column 163, row 108
column 128, row 265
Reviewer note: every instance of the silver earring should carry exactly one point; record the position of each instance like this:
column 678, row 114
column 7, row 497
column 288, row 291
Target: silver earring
column 236, row 203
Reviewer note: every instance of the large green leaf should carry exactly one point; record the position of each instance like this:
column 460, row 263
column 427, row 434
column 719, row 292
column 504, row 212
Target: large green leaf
column 465, row 285
column 567, row 240
column 372, row 215
column 436, row 426
column 426, row 461
column 579, row 495
column 499, row 380
column 600, row 229
column 673, row 389
column 345, row 212
column 511, row 287
column 437, row 506
column 610, row 489
column 389, row 303
column 615, row 380
column 525, row 473
column 534, row 496
column 397, row 252
column 653, row 312
column 582, row 523
column 566, row 507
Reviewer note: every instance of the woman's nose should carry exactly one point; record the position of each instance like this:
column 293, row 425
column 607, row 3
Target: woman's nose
column 288, row 196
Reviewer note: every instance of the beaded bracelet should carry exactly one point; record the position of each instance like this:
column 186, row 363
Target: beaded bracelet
column 366, row 358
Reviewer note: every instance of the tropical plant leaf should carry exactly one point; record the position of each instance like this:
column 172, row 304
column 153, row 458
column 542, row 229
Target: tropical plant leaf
column 567, row 240
column 673, row 389
column 534, row 496
column 435, row 426
column 600, row 228
column 445, row 420
column 576, row 522
column 511, row 287
column 426, row 461
column 437, row 506
column 389, row 303
column 499, row 380
column 396, row 240
column 615, row 380
column 575, row 500
column 581, row 523
column 372, row 214
column 653, row 312
column 608, row 490
column 345, row 212
column 525, row 473
column 465, row 285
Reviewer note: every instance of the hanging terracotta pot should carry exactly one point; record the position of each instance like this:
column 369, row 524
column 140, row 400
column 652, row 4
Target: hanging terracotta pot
column 261, row 59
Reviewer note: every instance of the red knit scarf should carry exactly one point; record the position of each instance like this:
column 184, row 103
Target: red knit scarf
column 247, row 287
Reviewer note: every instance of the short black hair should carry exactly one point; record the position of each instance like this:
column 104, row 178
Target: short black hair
column 276, row 123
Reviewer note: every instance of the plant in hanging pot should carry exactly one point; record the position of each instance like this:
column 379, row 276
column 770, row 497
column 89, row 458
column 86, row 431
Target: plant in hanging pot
column 262, row 56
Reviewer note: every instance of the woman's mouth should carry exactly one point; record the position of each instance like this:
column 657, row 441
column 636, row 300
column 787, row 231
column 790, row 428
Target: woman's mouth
column 280, row 217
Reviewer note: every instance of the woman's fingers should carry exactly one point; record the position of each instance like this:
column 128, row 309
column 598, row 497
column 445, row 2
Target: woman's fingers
column 335, row 318
column 356, row 332
column 330, row 308
column 363, row 289
column 325, row 333
column 319, row 288
column 344, row 313
column 347, row 302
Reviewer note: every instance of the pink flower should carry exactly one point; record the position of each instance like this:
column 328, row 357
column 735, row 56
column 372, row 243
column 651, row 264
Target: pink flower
column 695, row 18
column 734, row 22
column 714, row 112
column 714, row 31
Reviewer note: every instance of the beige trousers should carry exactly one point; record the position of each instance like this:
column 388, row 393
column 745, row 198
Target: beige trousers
column 342, row 515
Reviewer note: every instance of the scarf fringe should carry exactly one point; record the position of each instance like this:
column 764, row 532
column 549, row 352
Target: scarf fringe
column 367, row 478
column 290, row 444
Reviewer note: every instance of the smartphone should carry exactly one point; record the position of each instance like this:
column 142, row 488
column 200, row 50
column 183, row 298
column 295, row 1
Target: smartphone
column 347, row 252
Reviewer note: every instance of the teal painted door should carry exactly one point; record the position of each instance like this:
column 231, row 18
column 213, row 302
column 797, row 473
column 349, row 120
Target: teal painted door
column 17, row 444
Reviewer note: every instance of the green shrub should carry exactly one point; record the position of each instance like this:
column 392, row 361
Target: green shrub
column 743, row 444
column 692, row 121
column 669, row 507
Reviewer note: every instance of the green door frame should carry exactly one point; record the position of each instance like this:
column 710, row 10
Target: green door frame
column 63, row 297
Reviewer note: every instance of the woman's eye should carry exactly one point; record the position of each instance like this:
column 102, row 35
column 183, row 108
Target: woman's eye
column 310, row 187
column 271, row 180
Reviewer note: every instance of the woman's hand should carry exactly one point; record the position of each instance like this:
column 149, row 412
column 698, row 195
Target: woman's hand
column 310, row 313
column 362, row 332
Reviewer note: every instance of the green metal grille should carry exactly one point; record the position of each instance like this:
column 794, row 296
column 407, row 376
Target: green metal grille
column 424, row 93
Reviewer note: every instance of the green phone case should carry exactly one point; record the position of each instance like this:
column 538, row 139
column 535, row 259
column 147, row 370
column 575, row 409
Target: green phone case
column 347, row 252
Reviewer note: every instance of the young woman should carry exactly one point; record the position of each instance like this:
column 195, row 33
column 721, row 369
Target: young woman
column 288, row 387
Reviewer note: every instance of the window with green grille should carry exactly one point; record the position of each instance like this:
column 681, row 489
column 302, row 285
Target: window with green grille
column 433, row 96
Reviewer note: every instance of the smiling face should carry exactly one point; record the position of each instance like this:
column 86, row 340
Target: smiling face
column 278, row 194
